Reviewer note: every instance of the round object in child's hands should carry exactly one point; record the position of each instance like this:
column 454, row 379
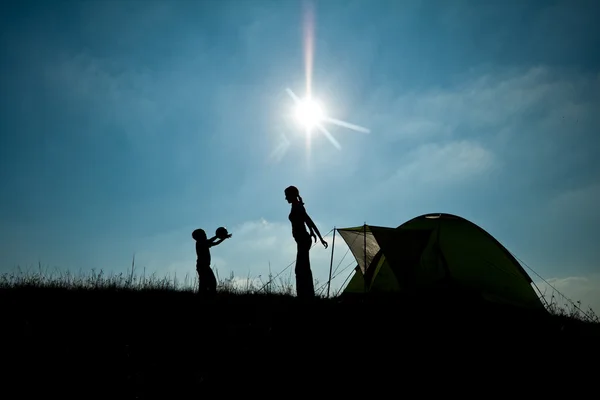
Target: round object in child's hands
column 222, row 232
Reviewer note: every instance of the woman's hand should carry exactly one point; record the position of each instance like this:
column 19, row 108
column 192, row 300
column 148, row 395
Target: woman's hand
column 324, row 243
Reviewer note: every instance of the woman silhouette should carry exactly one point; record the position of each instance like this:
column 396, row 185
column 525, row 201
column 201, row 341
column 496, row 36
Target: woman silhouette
column 300, row 220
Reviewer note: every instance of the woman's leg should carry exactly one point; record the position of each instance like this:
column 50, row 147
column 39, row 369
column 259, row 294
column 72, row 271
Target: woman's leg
column 304, row 279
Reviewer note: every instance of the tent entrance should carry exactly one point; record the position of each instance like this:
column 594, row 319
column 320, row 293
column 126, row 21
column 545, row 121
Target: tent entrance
column 387, row 258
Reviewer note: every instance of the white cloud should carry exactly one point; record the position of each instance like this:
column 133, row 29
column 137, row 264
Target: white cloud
column 171, row 253
column 256, row 249
column 256, row 245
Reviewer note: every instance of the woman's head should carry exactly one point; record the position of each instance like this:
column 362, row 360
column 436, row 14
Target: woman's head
column 292, row 195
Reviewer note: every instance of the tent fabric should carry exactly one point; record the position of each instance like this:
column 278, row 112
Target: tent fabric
column 433, row 251
column 363, row 243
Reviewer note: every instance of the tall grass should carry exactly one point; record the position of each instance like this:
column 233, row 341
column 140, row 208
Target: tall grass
column 272, row 285
column 43, row 277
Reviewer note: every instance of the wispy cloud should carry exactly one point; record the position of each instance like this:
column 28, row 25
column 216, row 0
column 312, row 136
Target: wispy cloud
column 118, row 96
column 443, row 164
column 487, row 104
column 563, row 230
column 581, row 203
column 581, row 291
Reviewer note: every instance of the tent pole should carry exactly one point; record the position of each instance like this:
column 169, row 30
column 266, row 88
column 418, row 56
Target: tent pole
column 331, row 263
column 365, row 251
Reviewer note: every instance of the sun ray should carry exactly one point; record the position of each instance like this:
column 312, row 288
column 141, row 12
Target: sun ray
column 293, row 96
column 329, row 136
column 281, row 149
column 308, row 135
column 308, row 111
column 347, row 125
column 309, row 34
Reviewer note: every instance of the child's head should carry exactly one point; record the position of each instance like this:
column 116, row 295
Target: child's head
column 199, row 234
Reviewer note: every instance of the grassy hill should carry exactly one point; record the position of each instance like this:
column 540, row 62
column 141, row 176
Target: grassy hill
column 122, row 337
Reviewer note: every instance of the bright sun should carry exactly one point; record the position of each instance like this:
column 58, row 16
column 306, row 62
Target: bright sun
column 309, row 113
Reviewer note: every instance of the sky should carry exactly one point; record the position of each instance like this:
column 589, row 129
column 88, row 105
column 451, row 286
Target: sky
column 126, row 125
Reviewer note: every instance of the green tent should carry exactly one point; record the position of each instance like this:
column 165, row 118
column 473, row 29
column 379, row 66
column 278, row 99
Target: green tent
column 436, row 251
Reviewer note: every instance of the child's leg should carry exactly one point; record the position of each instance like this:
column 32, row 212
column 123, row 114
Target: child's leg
column 202, row 281
column 211, row 280
column 208, row 282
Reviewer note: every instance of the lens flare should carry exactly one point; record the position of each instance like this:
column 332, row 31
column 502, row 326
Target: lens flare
column 309, row 113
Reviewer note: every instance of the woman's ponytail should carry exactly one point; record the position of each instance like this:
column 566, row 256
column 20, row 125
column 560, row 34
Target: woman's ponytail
column 292, row 191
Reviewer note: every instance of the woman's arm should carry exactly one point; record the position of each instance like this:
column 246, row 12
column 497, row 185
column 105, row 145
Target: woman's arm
column 311, row 226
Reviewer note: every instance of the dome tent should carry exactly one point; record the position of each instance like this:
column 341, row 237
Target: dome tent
column 437, row 251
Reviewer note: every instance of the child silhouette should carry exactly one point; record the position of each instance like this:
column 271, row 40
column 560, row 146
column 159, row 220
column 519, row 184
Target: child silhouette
column 207, row 282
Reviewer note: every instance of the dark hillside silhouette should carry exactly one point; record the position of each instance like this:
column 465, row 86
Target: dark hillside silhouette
column 124, row 343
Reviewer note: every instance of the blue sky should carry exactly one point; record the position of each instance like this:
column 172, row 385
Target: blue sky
column 126, row 125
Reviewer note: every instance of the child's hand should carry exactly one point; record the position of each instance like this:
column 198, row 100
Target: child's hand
column 228, row 236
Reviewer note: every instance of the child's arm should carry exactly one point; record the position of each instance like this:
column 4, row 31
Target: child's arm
column 213, row 241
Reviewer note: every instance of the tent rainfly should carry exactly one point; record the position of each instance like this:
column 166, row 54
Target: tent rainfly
column 437, row 250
